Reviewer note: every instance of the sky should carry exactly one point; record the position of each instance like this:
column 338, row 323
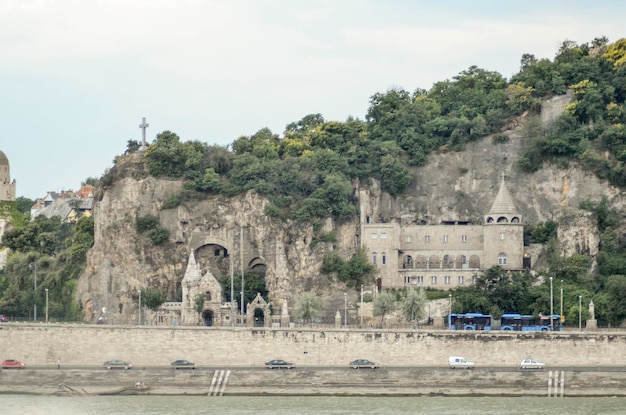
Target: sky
column 78, row 76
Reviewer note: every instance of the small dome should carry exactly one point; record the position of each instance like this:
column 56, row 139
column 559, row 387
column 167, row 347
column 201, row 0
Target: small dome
column 4, row 161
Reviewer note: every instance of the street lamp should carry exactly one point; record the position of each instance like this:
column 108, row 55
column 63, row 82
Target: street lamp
column 580, row 313
column 33, row 265
column 139, row 317
column 46, row 305
column 561, row 315
column 450, row 313
column 551, row 307
column 361, row 305
column 345, row 309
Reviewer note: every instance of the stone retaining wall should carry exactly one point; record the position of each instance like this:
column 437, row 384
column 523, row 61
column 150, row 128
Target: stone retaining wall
column 41, row 344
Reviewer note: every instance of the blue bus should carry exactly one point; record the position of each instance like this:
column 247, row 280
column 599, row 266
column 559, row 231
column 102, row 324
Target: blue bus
column 525, row 322
column 469, row 321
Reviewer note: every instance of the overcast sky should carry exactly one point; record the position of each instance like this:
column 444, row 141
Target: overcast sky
column 77, row 76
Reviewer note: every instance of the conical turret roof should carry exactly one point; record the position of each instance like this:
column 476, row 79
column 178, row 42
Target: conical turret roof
column 503, row 203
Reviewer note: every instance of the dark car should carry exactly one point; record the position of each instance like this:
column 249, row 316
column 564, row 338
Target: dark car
column 13, row 364
column 279, row 364
column 183, row 364
column 360, row 363
column 117, row 364
column 3, row 318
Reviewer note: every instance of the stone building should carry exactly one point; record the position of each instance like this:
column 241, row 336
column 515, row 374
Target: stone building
column 7, row 187
column 445, row 255
column 198, row 283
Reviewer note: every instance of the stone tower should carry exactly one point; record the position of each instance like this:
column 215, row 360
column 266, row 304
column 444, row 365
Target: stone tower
column 7, row 187
column 503, row 233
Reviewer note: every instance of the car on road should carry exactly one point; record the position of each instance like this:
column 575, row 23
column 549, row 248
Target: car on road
column 531, row 364
column 3, row 318
column 13, row 364
column 183, row 364
column 279, row 364
column 459, row 362
column 117, row 364
column 363, row 363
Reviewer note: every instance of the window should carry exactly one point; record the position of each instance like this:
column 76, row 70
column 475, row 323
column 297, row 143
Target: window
column 420, row 279
column 208, row 295
column 463, row 238
column 446, row 260
column 502, row 236
column 502, row 259
column 446, row 279
column 374, row 235
column 383, row 258
column 383, row 235
column 374, row 257
column 461, row 280
column 433, row 279
column 407, row 280
column 427, row 239
column 445, row 239
column 409, row 239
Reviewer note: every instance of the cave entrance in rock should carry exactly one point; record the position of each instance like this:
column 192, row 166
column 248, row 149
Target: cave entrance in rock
column 208, row 317
column 259, row 317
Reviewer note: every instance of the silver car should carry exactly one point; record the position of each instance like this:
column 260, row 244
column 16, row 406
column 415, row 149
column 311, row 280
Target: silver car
column 531, row 364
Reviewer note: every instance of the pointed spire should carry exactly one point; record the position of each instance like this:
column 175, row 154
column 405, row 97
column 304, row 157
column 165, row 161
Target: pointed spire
column 503, row 203
column 192, row 273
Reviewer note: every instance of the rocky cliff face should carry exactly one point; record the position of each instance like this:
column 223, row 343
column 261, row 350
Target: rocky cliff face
column 452, row 186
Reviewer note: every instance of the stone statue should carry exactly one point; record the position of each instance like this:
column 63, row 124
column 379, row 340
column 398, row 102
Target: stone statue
column 592, row 315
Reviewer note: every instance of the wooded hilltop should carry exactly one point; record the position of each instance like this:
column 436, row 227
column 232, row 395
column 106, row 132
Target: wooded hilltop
column 555, row 129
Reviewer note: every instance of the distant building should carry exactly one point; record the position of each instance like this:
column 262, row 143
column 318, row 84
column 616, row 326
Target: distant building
column 447, row 255
column 68, row 205
column 7, row 187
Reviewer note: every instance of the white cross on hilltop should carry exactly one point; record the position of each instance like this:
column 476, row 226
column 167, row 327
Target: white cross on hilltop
column 143, row 126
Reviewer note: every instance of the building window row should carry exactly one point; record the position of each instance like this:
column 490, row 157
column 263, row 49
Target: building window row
column 447, row 280
column 446, row 239
column 446, row 262
column 383, row 258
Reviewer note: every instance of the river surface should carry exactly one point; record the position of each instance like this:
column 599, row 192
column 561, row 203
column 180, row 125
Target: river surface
column 149, row 405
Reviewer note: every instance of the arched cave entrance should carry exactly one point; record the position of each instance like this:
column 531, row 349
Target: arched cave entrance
column 259, row 317
column 207, row 316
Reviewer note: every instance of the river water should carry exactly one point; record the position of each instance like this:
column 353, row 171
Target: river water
column 225, row 405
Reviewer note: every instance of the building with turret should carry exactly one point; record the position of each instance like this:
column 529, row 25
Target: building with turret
column 445, row 255
column 7, row 187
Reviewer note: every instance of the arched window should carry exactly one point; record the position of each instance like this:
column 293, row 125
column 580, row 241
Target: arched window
column 208, row 295
column 502, row 258
column 515, row 219
column 383, row 258
column 489, row 219
column 502, row 219
column 374, row 257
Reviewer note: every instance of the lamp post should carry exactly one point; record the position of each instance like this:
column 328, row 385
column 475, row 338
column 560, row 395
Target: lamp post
column 46, row 305
column 33, row 265
column 551, row 306
column 139, row 316
column 345, row 309
column 450, row 313
column 580, row 313
column 561, row 315
column 361, row 305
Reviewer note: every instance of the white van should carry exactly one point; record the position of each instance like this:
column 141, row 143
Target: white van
column 461, row 362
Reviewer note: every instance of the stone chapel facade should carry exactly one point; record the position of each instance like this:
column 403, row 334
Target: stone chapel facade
column 448, row 255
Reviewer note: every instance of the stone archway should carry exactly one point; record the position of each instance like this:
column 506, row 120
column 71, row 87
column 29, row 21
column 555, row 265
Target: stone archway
column 258, row 310
column 259, row 317
column 207, row 317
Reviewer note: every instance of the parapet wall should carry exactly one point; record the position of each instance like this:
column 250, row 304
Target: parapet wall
column 86, row 345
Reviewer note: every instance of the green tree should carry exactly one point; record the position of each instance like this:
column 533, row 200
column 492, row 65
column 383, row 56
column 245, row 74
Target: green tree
column 308, row 307
column 413, row 305
column 199, row 303
column 384, row 304
column 153, row 298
